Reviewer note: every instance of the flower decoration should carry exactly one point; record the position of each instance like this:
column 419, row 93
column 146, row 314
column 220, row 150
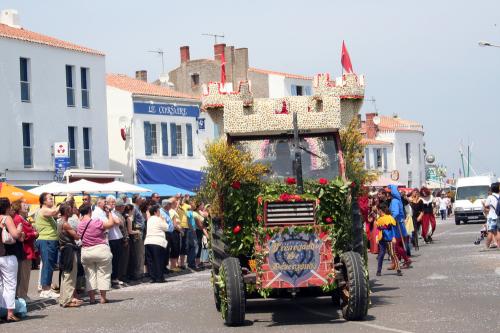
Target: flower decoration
column 291, row 181
column 323, row 181
column 213, row 185
column 237, row 229
column 259, row 218
column 236, row 185
column 328, row 220
column 259, row 200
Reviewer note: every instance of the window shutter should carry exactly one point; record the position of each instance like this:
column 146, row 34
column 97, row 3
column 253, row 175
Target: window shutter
column 164, row 139
column 308, row 91
column 385, row 159
column 367, row 158
column 189, row 135
column 173, row 139
column 294, row 90
column 147, row 138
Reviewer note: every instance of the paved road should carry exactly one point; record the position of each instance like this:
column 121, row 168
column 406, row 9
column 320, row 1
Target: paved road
column 453, row 287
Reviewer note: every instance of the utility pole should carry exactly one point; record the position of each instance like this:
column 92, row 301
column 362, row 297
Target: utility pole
column 214, row 36
column 161, row 53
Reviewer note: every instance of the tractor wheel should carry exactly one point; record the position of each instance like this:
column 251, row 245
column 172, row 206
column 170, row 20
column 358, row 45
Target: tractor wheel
column 216, row 291
column 353, row 287
column 234, row 307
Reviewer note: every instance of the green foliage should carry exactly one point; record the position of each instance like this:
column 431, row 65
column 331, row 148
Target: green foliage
column 353, row 150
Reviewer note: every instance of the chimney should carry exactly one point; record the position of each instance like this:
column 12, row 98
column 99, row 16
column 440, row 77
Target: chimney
column 10, row 17
column 371, row 128
column 218, row 50
column 142, row 75
column 184, row 54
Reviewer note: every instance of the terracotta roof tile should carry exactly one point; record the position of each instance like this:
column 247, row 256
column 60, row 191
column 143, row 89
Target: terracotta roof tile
column 398, row 124
column 366, row 141
column 291, row 76
column 33, row 37
column 139, row 87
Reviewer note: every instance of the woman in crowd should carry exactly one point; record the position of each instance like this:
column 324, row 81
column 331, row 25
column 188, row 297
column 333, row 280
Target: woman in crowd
column 20, row 212
column 68, row 259
column 47, row 242
column 134, row 236
column 427, row 215
column 416, row 208
column 175, row 249
column 201, row 229
column 156, row 243
column 8, row 262
column 96, row 255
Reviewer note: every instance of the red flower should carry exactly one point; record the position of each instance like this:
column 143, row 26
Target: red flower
column 328, row 220
column 291, row 181
column 236, row 229
column 214, row 185
column 236, row 185
column 285, row 197
column 259, row 201
column 296, row 197
column 259, row 218
column 318, row 201
column 353, row 185
column 323, row 181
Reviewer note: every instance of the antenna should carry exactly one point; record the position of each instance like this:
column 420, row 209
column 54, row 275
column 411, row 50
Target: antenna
column 214, row 36
column 374, row 101
column 161, row 53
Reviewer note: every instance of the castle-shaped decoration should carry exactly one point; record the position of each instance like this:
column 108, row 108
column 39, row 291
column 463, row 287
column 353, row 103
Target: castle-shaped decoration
column 332, row 106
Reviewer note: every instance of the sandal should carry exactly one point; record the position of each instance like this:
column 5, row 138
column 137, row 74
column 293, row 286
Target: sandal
column 12, row 319
column 72, row 305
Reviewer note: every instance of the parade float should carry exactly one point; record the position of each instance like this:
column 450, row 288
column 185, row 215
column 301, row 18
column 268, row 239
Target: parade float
column 284, row 214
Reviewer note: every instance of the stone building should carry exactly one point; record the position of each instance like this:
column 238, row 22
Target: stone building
column 191, row 74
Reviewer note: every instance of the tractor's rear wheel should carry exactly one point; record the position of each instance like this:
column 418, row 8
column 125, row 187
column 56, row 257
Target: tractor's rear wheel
column 353, row 287
column 234, row 292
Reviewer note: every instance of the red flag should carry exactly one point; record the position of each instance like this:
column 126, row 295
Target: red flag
column 346, row 60
column 222, row 69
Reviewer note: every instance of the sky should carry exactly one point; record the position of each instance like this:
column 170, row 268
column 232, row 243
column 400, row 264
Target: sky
column 421, row 59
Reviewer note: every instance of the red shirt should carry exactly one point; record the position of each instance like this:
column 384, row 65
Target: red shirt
column 29, row 240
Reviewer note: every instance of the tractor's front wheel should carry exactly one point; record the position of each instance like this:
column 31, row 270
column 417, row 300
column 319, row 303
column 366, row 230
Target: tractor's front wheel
column 233, row 295
column 215, row 286
column 353, row 287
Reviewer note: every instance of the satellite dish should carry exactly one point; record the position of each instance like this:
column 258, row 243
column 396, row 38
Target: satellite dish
column 430, row 158
column 376, row 120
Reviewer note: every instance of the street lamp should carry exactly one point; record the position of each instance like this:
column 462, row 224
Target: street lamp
column 484, row 43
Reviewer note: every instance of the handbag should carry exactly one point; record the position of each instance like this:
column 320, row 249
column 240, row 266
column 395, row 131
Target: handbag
column 6, row 236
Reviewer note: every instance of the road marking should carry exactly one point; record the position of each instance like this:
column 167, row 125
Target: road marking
column 329, row 315
column 436, row 277
column 382, row 328
column 497, row 271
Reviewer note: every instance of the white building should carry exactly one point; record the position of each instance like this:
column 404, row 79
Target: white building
column 160, row 125
column 395, row 148
column 50, row 91
column 279, row 84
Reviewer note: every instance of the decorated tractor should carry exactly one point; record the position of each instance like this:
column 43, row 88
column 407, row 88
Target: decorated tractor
column 284, row 215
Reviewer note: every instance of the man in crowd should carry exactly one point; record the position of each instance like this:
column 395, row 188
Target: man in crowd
column 492, row 221
column 176, row 236
column 155, row 198
column 166, row 204
column 115, row 238
column 120, row 206
column 137, row 243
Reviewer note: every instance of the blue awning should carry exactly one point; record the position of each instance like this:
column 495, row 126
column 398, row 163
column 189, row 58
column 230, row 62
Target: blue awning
column 165, row 190
column 157, row 173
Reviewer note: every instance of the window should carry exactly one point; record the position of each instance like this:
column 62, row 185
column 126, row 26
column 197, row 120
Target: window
column 367, row 158
column 178, row 139
column 87, row 147
column 25, row 79
column 195, row 79
column 408, row 153
column 72, row 134
column 28, row 145
column 70, row 90
column 378, row 158
column 84, row 73
column 189, row 139
column 154, row 141
column 410, row 179
column 297, row 90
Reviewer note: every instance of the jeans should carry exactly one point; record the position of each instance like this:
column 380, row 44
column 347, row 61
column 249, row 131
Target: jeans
column 48, row 250
column 192, row 247
column 116, row 246
column 443, row 214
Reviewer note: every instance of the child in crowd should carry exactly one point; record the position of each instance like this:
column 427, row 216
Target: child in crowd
column 386, row 240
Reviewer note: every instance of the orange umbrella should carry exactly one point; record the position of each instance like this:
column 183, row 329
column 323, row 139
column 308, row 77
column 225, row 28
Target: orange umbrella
column 14, row 193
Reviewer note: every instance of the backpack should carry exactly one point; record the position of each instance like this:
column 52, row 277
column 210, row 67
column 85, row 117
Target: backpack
column 497, row 208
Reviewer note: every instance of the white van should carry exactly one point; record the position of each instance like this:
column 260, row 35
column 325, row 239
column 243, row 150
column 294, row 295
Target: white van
column 469, row 198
